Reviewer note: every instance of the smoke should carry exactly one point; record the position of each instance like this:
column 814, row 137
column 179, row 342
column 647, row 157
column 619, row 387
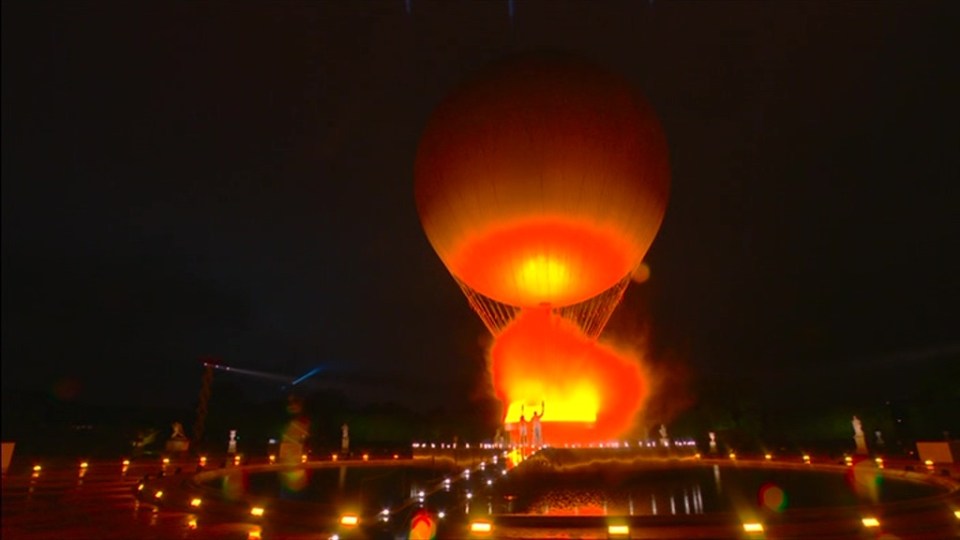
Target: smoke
column 666, row 373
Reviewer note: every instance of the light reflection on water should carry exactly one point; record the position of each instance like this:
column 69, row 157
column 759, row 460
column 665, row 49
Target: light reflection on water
column 685, row 490
column 593, row 490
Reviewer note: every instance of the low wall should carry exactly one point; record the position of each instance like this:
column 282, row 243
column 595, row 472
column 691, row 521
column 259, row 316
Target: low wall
column 7, row 455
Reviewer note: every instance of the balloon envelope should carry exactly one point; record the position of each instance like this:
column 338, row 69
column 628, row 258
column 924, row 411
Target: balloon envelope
column 542, row 181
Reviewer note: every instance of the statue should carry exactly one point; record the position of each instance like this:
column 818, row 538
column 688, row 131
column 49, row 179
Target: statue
column 345, row 438
column 178, row 433
column 663, row 436
column 857, row 427
column 713, row 442
column 295, row 434
column 178, row 441
column 232, row 443
column 858, row 435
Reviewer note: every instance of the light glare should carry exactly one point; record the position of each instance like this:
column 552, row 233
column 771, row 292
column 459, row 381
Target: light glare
column 618, row 530
column 480, row 527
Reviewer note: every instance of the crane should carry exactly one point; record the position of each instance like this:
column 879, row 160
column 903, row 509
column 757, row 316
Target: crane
column 212, row 363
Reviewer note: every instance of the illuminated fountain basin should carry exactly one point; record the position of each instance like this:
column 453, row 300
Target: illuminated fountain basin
column 590, row 493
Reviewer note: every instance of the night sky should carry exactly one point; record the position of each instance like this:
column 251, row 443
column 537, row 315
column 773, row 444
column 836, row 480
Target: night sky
column 189, row 179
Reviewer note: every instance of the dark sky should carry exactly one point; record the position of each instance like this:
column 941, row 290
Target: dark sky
column 188, row 179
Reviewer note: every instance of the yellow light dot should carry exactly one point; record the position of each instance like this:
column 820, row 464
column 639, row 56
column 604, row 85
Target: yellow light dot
column 195, row 502
column 257, row 511
column 618, row 530
column 753, row 527
column 870, row 522
column 481, row 527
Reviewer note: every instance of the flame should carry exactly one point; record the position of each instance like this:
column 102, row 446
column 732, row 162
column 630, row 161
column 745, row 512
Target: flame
column 590, row 392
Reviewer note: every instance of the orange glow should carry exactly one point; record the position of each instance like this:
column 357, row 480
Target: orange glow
column 422, row 526
column 590, row 391
column 349, row 520
column 542, row 259
column 575, row 508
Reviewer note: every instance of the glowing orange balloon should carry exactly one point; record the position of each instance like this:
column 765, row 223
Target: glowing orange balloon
column 543, row 181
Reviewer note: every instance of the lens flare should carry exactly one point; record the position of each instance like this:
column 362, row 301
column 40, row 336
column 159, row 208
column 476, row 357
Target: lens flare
column 590, row 391
column 864, row 478
column 772, row 497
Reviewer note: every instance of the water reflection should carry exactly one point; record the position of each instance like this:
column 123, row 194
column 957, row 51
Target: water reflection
column 686, row 491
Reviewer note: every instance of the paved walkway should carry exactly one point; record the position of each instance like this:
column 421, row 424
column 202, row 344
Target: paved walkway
column 69, row 503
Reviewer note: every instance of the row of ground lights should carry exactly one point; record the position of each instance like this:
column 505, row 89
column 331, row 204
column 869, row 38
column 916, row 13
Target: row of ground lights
column 929, row 464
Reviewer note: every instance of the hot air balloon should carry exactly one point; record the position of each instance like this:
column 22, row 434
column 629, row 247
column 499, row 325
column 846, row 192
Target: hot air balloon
column 542, row 182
